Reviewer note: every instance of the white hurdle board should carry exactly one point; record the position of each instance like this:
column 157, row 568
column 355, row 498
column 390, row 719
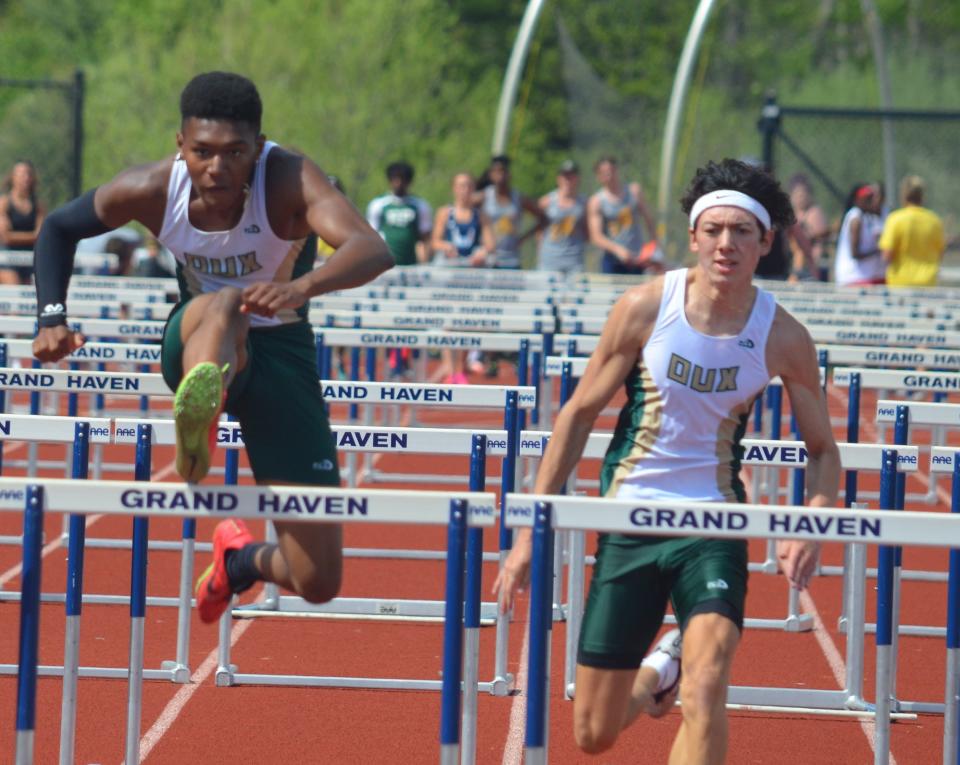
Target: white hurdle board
column 756, row 452
column 348, row 438
column 738, row 521
column 44, row 428
column 921, row 412
column 889, row 379
column 288, row 503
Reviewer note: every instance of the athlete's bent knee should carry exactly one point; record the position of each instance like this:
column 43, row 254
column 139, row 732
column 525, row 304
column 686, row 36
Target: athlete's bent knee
column 593, row 737
column 317, row 589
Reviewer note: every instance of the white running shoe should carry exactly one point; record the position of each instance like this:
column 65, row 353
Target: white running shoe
column 672, row 645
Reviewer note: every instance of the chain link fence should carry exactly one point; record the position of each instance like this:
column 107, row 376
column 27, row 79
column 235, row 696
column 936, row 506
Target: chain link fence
column 42, row 121
column 838, row 148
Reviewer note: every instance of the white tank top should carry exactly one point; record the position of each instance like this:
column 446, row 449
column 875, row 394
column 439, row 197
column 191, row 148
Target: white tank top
column 688, row 401
column 246, row 254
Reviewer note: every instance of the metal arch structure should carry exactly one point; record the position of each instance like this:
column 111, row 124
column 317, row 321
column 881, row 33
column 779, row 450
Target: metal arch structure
column 511, row 79
column 678, row 95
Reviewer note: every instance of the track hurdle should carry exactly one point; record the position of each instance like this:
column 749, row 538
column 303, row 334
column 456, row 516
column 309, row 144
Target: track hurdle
column 726, row 520
column 757, row 453
column 458, row 510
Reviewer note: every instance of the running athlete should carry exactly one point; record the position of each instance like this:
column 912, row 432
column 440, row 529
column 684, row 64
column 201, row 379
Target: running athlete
column 563, row 241
column 403, row 220
column 694, row 349
column 235, row 210
column 613, row 215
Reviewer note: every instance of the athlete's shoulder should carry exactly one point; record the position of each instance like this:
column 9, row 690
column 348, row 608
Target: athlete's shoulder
column 137, row 193
column 144, row 181
column 788, row 343
column 639, row 305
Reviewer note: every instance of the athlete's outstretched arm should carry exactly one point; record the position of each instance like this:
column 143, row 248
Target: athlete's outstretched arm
column 311, row 203
column 795, row 360
column 138, row 193
column 621, row 342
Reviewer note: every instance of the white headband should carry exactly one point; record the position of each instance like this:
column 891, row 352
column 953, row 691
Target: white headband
column 729, row 198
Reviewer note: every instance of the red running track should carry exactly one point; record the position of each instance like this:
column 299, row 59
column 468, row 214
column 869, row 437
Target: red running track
column 201, row 723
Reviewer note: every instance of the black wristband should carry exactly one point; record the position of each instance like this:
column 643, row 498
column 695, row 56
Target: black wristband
column 54, row 251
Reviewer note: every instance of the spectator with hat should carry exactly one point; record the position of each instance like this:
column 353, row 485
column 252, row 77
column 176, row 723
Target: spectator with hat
column 563, row 241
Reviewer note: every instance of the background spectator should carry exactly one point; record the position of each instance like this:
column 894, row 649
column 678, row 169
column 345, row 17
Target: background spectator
column 20, row 218
column 461, row 232
column 564, row 240
column 153, row 261
column 504, row 207
column 403, row 220
column 812, row 221
column 613, row 220
column 858, row 259
column 912, row 243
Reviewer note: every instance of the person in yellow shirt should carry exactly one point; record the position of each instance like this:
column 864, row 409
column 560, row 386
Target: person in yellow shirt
column 912, row 242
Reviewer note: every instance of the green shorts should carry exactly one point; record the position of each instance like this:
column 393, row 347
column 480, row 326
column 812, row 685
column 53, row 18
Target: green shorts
column 632, row 580
column 277, row 400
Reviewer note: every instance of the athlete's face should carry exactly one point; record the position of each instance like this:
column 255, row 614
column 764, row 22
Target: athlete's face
column 728, row 243
column 568, row 183
column 22, row 178
column 220, row 157
column 463, row 187
column 606, row 173
column 499, row 174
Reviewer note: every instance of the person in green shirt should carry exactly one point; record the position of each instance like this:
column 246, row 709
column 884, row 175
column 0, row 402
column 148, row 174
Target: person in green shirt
column 403, row 220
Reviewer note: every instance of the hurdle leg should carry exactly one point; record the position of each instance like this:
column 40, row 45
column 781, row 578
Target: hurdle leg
column 575, row 583
column 138, row 605
column 538, row 665
column 884, row 617
column 951, row 751
column 271, row 593
column 856, row 583
column 29, row 625
column 471, row 614
column 180, row 667
column 796, row 621
column 71, row 646
column 453, row 635
column 225, row 670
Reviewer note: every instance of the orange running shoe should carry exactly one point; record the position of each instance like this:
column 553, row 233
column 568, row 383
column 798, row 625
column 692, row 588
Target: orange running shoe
column 213, row 587
column 196, row 411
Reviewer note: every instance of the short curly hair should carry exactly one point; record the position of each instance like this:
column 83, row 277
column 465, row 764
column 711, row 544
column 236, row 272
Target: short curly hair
column 740, row 176
column 222, row 96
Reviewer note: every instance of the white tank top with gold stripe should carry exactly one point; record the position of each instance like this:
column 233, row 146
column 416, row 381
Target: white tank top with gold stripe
column 246, row 254
column 688, row 401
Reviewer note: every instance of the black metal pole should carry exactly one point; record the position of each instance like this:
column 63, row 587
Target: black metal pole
column 768, row 125
column 78, row 95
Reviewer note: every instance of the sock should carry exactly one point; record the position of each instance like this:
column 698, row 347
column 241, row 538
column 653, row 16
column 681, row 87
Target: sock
column 666, row 667
column 242, row 571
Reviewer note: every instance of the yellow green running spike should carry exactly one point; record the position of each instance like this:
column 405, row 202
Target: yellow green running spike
column 196, row 409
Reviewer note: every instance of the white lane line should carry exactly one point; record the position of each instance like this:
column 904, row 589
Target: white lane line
column 837, row 666
column 14, row 571
column 175, row 706
column 513, row 748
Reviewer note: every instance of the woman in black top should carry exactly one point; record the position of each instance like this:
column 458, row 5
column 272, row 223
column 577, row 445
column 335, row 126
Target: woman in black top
column 20, row 218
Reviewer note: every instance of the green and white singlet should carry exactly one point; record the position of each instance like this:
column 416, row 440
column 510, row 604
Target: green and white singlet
column 246, row 254
column 688, row 400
